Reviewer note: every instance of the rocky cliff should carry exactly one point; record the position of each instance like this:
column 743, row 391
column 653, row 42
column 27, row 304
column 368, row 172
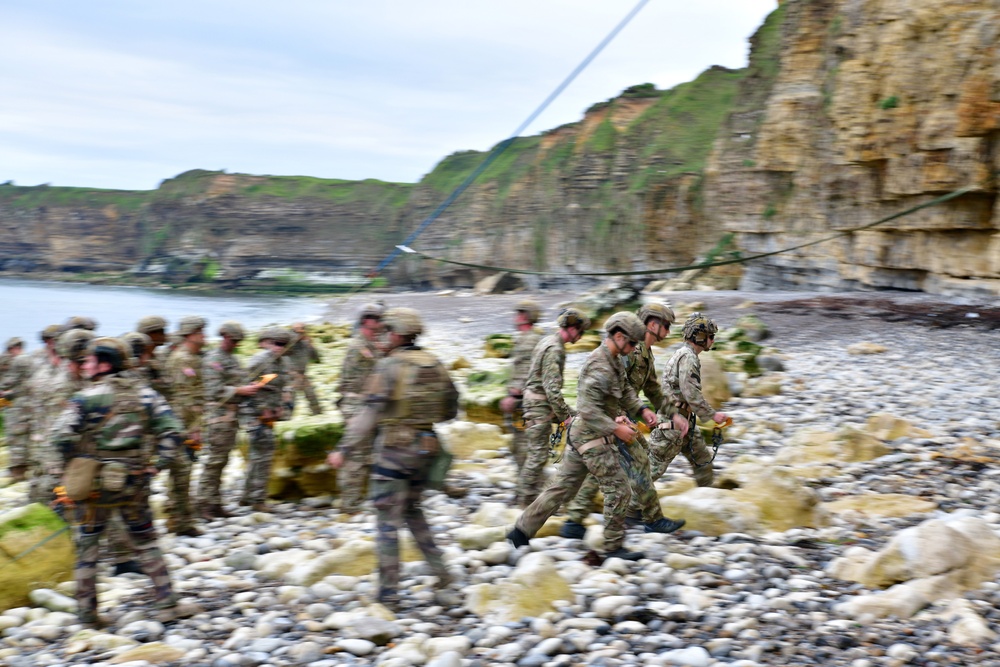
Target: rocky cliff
column 848, row 111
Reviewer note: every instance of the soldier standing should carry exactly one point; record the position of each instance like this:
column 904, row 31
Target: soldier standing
column 301, row 353
column 187, row 400
column 109, row 420
column 640, row 372
column 544, row 404
column 682, row 382
column 407, row 394
column 266, row 407
column 604, row 403
column 362, row 354
column 226, row 387
column 16, row 388
column 154, row 369
column 526, row 315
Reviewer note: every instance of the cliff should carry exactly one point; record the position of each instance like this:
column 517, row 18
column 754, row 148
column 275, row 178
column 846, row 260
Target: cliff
column 849, row 110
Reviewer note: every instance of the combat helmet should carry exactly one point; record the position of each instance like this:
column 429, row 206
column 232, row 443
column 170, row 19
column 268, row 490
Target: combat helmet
column 375, row 310
column 51, row 332
column 626, row 322
column 276, row 334
column 72, row 345
column 529, row 308
column 660, row 311
column 14, row 342
column 137, row 343
column 80, row 322
column 112, row 351
column 191, row 324
column 233, row 329
column 403, row 321
column 150, row 324
column 698, row 329
column 571, row 317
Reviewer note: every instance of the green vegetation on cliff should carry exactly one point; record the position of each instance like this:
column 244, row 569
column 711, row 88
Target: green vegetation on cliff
column 44, row 196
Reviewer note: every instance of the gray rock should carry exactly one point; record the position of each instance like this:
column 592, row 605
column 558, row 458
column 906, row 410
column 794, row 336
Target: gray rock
column 375, row 630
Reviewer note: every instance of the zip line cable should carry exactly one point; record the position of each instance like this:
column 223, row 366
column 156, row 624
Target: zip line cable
column 703, row 265
column 505, row 144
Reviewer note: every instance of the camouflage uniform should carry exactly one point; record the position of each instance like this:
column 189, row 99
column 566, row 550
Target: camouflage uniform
column 520, row 355
column 18, row 417
column 272, row 397
column 640, row 370
column 359, row 362
column 682, row 382
column 604, row 394
column 300, row 354
column 85, row 428
column 543, row 406
column 408, row 393
column 187, row 400
column 49, row 388
column 222, row 375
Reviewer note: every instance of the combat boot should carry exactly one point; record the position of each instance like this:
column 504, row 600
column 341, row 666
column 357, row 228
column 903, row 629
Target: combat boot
column 517, row 538
column 178, row 611
column 624, row 554
column 633, row 520
column 190, row 531
column 664, row 525
column 572, row 530
column 128, row 567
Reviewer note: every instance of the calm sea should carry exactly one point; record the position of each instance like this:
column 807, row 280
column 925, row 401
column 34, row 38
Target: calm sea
column 29, row 306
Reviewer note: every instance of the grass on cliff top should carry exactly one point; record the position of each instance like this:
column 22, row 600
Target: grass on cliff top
column 47, row 196
column 510, row 165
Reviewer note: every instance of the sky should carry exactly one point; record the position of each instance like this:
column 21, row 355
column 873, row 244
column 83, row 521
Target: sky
column 124, row 94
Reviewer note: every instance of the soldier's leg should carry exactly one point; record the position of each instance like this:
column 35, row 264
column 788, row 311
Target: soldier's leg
column 221, row 440
column 421, row 531
column 519, row 448
column 17, row 434
column 389, row 497
column 181, row 516
column 138, row 519
column 532, row 478
column 353, row 476
column 645, row 501
column 310, row 391
column 664, row 446
column 572, row 472
column 90, row 521
column 700, row 458
column 259, row 466
column 583, row 502
column 604, row 464
column 119, row 548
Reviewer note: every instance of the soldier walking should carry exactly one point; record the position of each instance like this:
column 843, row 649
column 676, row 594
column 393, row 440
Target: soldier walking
column 682, row 382
column 407, row 394
column 226, row 387
column 605, row 399
column 359, row 361
column 526, row 315
column 268, row 405
column 544, row 404
column 301, row 353
column 184, row 373
column 109, row 420
column 640, row 372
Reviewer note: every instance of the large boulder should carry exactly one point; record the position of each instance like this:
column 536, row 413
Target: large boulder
column 847, row 445
column 463, row 438
column 881, row 504
column 300, row 456
column 529, row 592
column 36, row 551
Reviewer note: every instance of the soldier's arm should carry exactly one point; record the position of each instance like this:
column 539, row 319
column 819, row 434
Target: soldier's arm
column 66, row 430
column 631, row 402
column 689, row 372
column 592, row 388
column 552, row 381
column 347, row 376
column 216, row 390
column 165, row 426
column 652, row 389
column 378, row 390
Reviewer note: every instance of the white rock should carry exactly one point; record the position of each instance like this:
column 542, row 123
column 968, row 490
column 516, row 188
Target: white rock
column 357, row 647
column 694, row 656
column 605, row 607
column 441, row 645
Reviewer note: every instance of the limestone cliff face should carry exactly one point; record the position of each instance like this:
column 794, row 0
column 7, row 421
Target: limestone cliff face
column 873, row 106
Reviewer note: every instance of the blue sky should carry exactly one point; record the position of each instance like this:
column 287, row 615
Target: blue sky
column 123, row 94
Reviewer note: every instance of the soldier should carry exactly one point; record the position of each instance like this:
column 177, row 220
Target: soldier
column 13, row 348
column 80, row 322
column 640, row 372
column 154, row 370
column 525, row 316
column 604, row 403
column 226, row 387
column 16, row 388
column 187, row 400
column 300, row 354
column 682, row 382
column 362, row 354
column 108, row 420
column 269, row 404
column 544, row 404
column 407, row 394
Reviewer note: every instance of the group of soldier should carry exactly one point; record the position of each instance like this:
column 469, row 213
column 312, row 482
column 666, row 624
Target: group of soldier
column 136, row 405
column 146, row 402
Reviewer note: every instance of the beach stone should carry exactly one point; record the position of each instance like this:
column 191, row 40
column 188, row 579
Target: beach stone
column 305, row 652
column 375, row 630
column 712, row 511
column 155, row 653
column 890, row 427
column 479, row 537
column 462, row 438
column 440, row 645
column 817, row 446
column 782, row 500
column 694, row 656
column 494, row 514
column 881, row 504
column 25, row 528
column 866, row 348
column 50, row 599
column 355, row 558
column 607, row 606
column 357, row 647
column 529, row 591
column 448, row 659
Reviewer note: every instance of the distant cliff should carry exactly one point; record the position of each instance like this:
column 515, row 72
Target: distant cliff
column 848, row 110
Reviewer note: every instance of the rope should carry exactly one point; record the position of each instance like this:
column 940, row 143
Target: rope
column 32, row 548
column 703, row 265
column 505, row 144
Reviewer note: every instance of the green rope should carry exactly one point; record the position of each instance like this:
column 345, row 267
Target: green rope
column 32, row 548
column 703, row 265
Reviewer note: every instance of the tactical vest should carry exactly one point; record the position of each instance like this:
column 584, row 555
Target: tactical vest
column 418, row 394
column 120, row 431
